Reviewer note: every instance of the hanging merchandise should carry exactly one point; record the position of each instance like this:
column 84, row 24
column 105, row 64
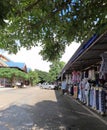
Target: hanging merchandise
column 97, row 98
column 105, row 98
column 83, row 97
column 91, row 74
column 72, row 90
column 75, row 91
column 86, row 74
column 66, row 78
column 102, row 102
column 94, row 99
column 87, row 88
column 91, row 96
column 80, row 91
column 74, row 77
column 79, row 76
column 69, row 84
column 103, row 68
column 100, row 107
column 69, row 79
column 106, row 102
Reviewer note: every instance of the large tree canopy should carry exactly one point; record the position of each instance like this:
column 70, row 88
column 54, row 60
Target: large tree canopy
column 52, row 23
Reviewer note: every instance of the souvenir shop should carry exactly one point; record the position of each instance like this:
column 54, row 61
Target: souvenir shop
column 86, row 74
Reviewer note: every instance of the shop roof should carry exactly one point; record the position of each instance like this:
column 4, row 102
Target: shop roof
column 87, row 55
column 15, row 64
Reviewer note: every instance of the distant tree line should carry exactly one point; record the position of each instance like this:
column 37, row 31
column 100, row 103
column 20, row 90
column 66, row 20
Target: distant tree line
column 52, row 75
column 34, row 77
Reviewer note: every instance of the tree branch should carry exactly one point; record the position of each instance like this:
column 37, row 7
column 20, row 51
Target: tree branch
column 32, row 5
column 28, row 8
column 52, row 13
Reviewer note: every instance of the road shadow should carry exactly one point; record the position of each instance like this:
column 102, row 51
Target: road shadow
column 62, row 114
column 45, row 115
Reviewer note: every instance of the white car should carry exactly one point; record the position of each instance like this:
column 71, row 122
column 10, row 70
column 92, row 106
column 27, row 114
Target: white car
column 51, row 86
column 44, row 85
column 47, row 86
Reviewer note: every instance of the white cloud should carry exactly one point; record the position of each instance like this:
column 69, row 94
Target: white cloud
column 70, row 50
column 30, row 57
column 34, row 61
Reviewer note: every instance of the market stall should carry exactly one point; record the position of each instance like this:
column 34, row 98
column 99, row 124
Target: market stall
column 88, row 70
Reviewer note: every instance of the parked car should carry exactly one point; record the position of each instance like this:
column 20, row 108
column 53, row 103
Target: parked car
column 47, row 86
column 51, row 86
column 44, row 85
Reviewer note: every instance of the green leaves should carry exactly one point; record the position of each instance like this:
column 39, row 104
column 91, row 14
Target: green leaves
column 53, row 23
column 42, row 76
column 33, row 77
column 55, row 69
column 12, row 72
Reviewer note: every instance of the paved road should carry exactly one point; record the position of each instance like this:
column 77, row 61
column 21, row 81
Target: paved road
column 39, row 109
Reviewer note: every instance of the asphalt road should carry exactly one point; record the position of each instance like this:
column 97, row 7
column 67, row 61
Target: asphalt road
column 39, row 109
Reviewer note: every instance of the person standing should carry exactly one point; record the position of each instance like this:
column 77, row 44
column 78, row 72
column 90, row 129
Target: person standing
column 63, row 86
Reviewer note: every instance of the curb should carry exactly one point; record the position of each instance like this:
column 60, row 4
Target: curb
column 89, row 110
column 5, row 89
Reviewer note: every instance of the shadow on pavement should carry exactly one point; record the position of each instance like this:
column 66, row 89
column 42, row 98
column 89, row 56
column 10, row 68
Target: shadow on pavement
column 48, row 115
column 45, row 115
column 25, row 117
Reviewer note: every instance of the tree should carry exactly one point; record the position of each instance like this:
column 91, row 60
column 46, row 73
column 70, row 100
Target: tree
column 42, row 76
column 33, row 77
column 54, row 25
column 55, row 69
column 12, row 74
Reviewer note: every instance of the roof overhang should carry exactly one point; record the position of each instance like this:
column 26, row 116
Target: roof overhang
column 87, row 55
